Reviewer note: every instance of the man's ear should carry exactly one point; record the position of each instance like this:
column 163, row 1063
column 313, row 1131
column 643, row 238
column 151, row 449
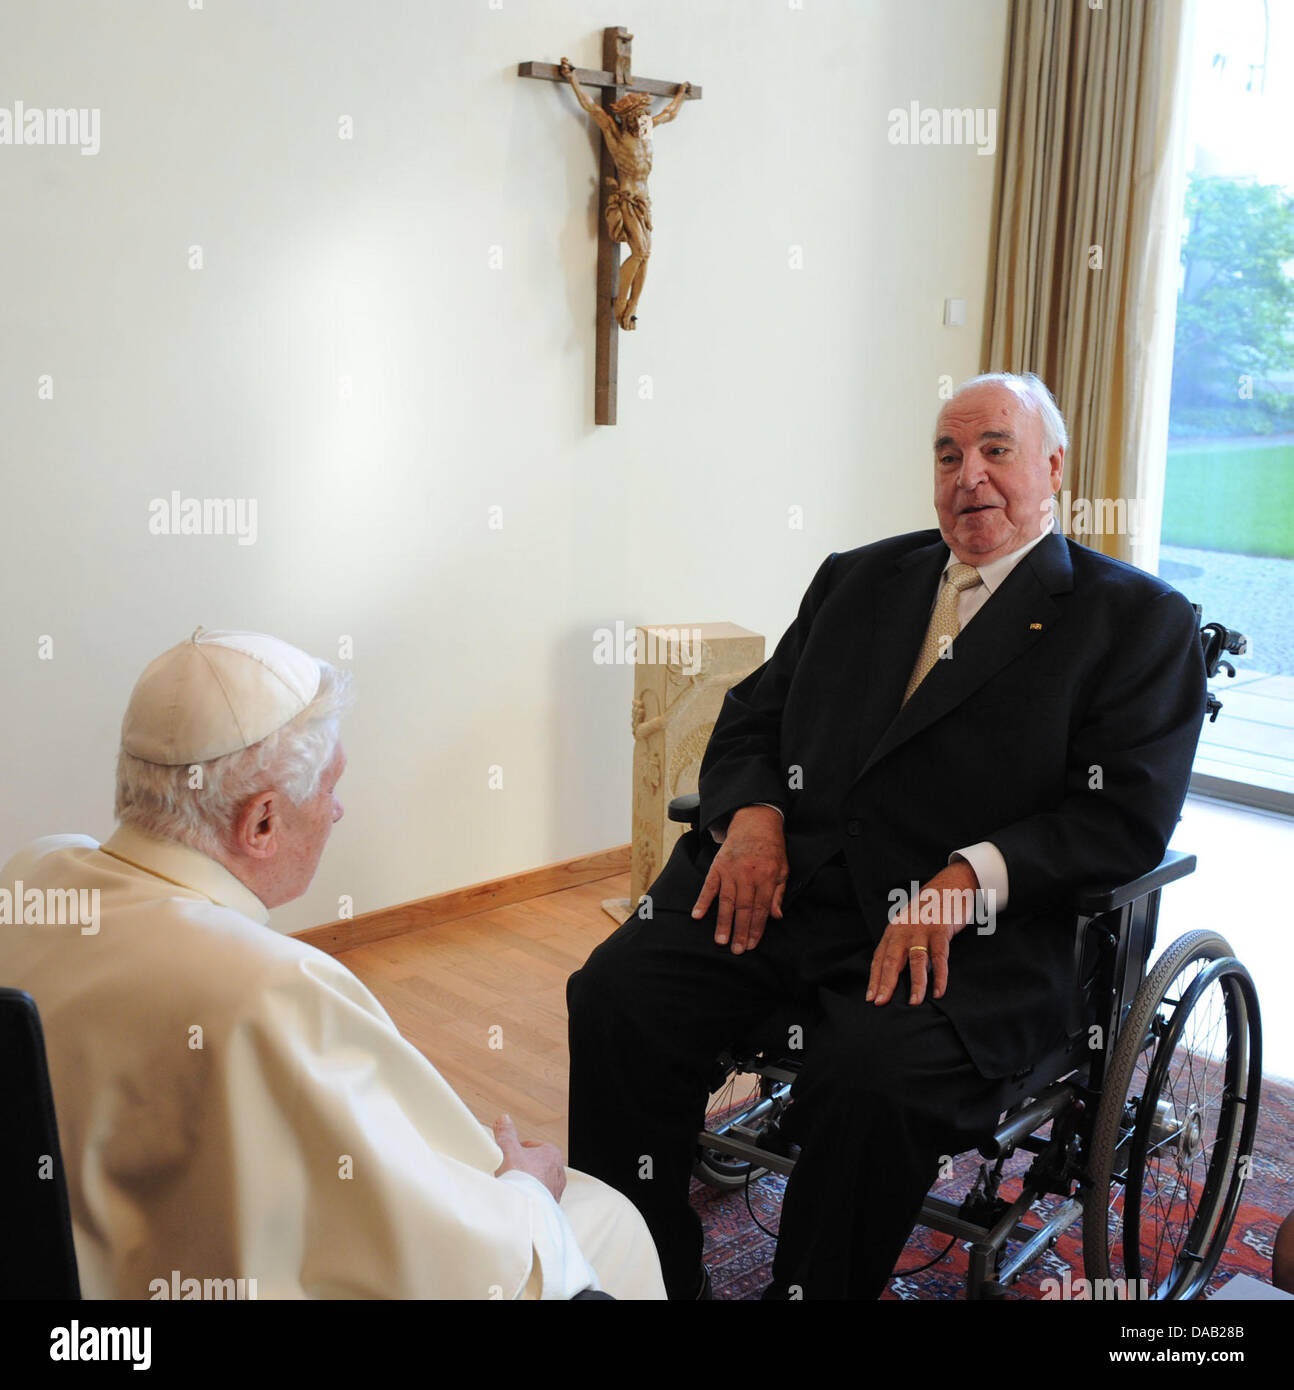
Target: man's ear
column 1057, row 462
column 257, row 825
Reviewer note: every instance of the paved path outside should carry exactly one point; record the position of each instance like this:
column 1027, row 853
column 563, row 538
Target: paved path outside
column 1254, row 593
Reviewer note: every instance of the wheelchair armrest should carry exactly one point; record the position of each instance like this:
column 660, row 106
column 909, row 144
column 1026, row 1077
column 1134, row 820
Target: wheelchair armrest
column 686, row 809
column 1091, row 902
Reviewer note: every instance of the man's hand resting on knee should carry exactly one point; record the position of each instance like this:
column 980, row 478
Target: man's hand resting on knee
column 921, row 947
column 748, row 877
column 542, row 1161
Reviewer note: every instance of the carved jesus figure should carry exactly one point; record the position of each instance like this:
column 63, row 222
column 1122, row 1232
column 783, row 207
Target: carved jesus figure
column 627, row 125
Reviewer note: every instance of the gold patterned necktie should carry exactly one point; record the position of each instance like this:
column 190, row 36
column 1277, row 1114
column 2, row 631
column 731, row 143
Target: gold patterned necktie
column 943, row 621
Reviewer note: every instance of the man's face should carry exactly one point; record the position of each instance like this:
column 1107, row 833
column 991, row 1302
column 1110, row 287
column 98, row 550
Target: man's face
column 305, row 830
column 993, row 482
column 643, row 124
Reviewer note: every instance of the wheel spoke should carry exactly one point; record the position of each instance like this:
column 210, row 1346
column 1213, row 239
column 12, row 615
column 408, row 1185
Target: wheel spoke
column 1168, row 1186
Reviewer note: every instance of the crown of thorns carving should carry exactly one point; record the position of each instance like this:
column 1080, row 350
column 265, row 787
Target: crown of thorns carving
column 631, row 104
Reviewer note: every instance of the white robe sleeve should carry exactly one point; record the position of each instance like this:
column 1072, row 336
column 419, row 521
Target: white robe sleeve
column 559, row 1261
column 359, row 1172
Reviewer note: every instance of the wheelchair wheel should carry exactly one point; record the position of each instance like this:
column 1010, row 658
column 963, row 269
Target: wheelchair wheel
column 1173, row 1137
column 723, row 1171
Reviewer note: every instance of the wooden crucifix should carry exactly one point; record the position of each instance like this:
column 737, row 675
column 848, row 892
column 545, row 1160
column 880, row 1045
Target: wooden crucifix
column 624, row 208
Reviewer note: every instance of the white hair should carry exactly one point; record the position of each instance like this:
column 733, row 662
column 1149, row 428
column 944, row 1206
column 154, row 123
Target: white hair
column 163, row 800
column 1034, row 393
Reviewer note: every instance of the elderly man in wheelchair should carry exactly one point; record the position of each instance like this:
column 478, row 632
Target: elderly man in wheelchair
column 967, row 740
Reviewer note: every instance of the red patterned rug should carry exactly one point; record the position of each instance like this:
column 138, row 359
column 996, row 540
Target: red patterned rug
column 740, row 1255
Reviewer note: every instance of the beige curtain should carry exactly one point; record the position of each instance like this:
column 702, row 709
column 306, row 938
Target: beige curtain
column 1082, row 284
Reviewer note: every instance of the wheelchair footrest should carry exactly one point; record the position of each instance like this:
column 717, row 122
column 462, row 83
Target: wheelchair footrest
column 1043, row 1239
column 735, row 1146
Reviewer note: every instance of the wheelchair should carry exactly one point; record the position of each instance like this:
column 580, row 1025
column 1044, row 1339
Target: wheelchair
column 1141, row 1125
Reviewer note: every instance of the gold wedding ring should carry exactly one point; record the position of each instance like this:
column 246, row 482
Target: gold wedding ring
column 924, row 950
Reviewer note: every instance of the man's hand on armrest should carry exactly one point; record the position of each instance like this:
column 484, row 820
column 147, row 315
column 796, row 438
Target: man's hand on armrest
column 748, row 876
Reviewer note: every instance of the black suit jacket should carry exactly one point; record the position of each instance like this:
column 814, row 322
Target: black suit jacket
column 1062, row 728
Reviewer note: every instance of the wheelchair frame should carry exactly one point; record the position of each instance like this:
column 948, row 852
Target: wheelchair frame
column 1103, row 1138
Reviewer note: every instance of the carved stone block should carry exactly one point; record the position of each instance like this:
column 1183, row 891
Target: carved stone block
column 680, row 678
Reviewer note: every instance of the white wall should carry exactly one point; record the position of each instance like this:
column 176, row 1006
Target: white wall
column 472, row 387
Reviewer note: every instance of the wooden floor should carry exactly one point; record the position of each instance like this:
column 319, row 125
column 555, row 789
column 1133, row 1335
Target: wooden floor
column 484, row 999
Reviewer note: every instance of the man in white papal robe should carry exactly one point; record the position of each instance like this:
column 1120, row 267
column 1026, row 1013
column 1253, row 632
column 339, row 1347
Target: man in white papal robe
column 233, row 1103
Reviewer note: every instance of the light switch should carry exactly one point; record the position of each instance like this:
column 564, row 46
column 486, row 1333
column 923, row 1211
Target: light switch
column 954, row 313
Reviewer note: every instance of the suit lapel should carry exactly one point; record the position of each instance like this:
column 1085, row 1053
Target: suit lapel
column 1015, row 617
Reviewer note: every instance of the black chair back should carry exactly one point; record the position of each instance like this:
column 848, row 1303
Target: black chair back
column 37, row 1256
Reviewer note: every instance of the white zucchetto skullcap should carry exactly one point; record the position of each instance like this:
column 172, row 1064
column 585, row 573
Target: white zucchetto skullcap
column 215, row 694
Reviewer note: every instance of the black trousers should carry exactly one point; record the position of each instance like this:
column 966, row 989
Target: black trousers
column 883, row 1095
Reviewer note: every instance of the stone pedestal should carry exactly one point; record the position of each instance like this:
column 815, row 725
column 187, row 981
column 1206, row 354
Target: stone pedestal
column 681, row 675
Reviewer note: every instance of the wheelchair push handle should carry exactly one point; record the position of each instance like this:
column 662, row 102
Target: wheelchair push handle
column 1217, row 638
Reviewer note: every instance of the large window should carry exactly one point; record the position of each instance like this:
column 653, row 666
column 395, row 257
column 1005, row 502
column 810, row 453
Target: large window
column 1228, row 525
